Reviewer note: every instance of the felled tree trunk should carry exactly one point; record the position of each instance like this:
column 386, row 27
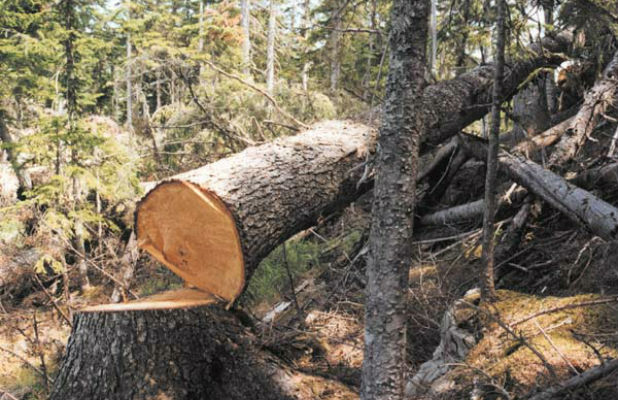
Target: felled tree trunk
column 197, row 353
column 450, row 106
column 583, row 208
column 213, row 225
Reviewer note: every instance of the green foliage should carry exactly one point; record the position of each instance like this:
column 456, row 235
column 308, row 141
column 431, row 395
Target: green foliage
column 48, row 263
column 271, row 280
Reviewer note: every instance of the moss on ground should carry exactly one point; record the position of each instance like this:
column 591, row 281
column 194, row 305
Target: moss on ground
column 569, row 340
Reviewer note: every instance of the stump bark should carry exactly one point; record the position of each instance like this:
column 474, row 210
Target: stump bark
column 197, row 353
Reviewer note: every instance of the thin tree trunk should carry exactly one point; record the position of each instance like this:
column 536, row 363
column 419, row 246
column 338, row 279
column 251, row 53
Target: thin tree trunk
column 246, row 40
column 460, row 63
column 306, row 21
column 384, row 365
column 335, row 59
column 488, row 290
column 270, row 48
column 551, row 92
column 158, row 88
column 128, row 81
column 200, row 42
column 116, row 95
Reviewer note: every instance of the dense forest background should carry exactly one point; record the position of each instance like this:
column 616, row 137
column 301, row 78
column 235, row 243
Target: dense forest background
column 98, row 96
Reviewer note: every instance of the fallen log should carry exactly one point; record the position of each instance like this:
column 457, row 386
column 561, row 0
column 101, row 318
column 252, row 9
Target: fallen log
column 469, row 211
column 597, row 100
column 452, row 105
column 197, row 353
column 580, row 206
column 213, row 225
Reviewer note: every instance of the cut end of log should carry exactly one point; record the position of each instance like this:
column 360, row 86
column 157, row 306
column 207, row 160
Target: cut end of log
column 193, row 233
column 181, row 298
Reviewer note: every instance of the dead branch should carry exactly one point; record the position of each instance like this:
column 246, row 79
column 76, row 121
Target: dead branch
column 53, row 301
column 39, row 350
column 26, row 362
column 578, row 381
column 597, row 100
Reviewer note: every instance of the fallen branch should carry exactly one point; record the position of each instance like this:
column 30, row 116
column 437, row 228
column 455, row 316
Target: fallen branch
column 575, row 382
column 26, row 363
column 583, row 208
column 597, row 100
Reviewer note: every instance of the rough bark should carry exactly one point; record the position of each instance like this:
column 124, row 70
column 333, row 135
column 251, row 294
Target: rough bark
column 197, row 353
column 271, row 191
column 383, row 375
column 488, row 290
column 530, row 111
column 583, row 208
column 452, row 105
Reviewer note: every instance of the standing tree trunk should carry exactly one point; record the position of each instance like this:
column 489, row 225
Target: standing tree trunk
column 128, row 77
column 306, row 20
column 383, row 375
column 335, row 57
column 200, row 42
column 488, row 290
column 246, row 40
column 460, row 63
column 116, row 95
column 270, row 48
